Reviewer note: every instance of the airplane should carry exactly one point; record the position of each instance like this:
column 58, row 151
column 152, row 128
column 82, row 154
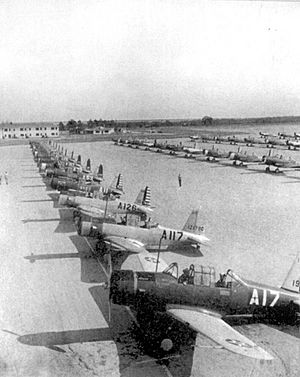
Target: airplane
column 271, row 142
column 293, row 144
column 279, row 162
column 296, row 135
column 221, row 139
column 194, row 137
column 97, row 208
column 264, row 134
column 150, row 236
column 214, row 154
column 190, row 152
column 283, row 135
column 241, row 158
column 250, row 141
column 202, row 304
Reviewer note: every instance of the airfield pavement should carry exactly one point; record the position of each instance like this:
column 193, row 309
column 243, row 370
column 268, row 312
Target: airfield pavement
column 53, row 312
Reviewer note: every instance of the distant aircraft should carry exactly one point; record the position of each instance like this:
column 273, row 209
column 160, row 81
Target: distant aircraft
column 150, row 236
column 296, row 135
column 279, row 162
column 293, row 144
column 275, row 142
column 203, row 304
column 283, row 135
column 214, row 154
column 195, row 137
column 192, row 151
column 250, row 141
column 241, row 158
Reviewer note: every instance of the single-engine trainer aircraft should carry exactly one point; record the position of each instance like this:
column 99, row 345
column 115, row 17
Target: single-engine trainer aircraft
column 98, row 208
column 279, row 162
column 149, row 236
column 197, row 300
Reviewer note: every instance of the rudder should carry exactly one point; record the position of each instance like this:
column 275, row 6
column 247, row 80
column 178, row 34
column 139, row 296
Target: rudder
column 192, row 225
column 292, row 281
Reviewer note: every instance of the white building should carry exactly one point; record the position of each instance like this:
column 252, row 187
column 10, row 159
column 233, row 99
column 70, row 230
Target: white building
column 28, row 130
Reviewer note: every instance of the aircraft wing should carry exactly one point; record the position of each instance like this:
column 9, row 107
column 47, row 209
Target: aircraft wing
column 215, row 328
column 91, row 211
column 149, row 262
column 128, row 244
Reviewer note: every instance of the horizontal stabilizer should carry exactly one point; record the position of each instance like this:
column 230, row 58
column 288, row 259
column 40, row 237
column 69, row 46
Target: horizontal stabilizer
column 192, row 225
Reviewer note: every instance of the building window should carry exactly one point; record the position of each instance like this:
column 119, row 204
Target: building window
column 52, row 133
column 37, row 134
column 36, row 128
column 21, row 129
column 52, row 128
column 5, row 129
column 21, row 134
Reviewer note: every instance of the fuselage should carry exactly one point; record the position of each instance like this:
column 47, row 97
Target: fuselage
column 154, row 237
column 234, row 299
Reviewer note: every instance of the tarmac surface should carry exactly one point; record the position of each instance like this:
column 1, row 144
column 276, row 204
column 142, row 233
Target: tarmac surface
column 54, row 313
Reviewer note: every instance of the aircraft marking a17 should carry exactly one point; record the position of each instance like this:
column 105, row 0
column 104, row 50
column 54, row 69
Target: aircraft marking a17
column 203, row 304
column 149, row 236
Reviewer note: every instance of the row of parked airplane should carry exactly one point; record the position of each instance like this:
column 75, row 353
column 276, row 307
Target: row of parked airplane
column 282, row 140
column 194, row 298
column 274, row 163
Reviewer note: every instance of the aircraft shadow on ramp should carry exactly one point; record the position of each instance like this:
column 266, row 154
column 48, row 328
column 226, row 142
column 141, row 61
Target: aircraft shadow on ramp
column 54, row 339
column 65, row 220
column 35, row 200
column 89, row 268
column 34, row 186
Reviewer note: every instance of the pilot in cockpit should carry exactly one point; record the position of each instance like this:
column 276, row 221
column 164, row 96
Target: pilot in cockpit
column 222, row 281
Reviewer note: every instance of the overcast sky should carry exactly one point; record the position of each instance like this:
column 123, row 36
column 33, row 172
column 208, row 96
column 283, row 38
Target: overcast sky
column 148, row 59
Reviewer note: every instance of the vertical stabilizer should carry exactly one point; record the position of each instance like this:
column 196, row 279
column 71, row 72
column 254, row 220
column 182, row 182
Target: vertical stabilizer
column 192, row 225
column 144, row 197
column 88, row 165
column 119, row 184
column 147, row 197
column 292, row 281
column 100, row 171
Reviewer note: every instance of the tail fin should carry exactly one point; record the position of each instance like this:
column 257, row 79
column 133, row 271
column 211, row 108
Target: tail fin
column 292, row 281
column 88, row 165
column 192, row 225
column 100, row 171
column 79, row 160
column 144, row 197
column 117, row 184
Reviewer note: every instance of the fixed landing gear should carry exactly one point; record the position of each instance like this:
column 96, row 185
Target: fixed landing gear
column 276, row 171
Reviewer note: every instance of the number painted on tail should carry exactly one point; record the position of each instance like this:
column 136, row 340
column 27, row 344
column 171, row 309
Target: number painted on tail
column 195, row 228
column 172, row 235
column 256, row 295
column 296, row 283
column 127, row 207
